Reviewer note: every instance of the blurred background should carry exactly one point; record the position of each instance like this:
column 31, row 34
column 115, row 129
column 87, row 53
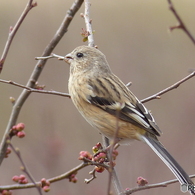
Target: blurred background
column 134, row 36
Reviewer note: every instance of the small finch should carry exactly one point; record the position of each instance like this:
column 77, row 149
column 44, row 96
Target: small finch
column 102, row 99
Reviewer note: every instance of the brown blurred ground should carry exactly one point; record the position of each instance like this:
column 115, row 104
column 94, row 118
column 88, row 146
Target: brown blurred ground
column 139, row 48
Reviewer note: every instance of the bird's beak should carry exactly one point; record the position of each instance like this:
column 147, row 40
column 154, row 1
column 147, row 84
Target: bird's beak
column 68, row 58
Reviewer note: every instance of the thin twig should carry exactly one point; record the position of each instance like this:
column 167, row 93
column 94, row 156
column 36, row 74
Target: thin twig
column 110, row 151
column 37, row 72
column 24, row 167
column 14, row 30
column 181, row 24
column 116, row 182
column 91, row 162
column 87, row 181
column 51, row 56
column 51, row 180
column 157, row 185
column 35, row 90
column 88, row 24
column 174, row 86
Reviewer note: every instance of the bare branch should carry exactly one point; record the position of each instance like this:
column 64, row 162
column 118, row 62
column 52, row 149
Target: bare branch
column 88, row 24
column 51, row 180
column 113, row 176
column 115, row 179
column 35, row 90
column 36, row 73
column 87, row 181
column 174, row 86
column 150, row 186
column 24, row 167
column 91, row 162
column 14, row 30
column 181, row 24
column 51, row 56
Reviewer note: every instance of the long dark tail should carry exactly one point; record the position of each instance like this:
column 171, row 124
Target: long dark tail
column 171, row 163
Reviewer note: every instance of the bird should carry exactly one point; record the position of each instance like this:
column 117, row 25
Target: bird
column 102, row 99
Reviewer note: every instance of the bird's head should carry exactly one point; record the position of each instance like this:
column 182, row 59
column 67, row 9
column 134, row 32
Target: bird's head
column 84, row 58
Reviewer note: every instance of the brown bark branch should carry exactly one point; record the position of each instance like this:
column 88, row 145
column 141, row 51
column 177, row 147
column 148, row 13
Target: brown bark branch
column 88, row 22
column 156, row 185
column 35, row 90
column 24, row 167
column 181, row 24
column 174, row 86
column 51, row 180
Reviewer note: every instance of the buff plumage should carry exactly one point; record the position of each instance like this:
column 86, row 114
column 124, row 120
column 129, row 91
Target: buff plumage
column 102, row 99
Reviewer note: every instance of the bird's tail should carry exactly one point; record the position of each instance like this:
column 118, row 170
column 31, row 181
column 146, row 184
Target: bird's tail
column 177, row 170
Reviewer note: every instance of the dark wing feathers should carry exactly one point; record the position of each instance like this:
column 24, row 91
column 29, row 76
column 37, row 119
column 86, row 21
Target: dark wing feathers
column 106, row 105
column 100, row 101
column 131, row 110
column 136, row 115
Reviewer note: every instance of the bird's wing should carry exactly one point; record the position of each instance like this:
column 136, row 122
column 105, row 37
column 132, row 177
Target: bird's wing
column 112, row 96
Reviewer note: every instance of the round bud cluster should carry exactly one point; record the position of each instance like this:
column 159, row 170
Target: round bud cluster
column 45, row 185
column 20, row 179
column 141, row 181
column 85, row 154
column 18, row 130
column 97, row 148
column 73, row 178
column 6, row 192
column 100, row 158
column 8, row 151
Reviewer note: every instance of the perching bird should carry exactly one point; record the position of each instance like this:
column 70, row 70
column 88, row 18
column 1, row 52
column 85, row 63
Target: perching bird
column 102, row 99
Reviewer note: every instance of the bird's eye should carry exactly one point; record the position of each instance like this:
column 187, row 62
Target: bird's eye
column 79, row 55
